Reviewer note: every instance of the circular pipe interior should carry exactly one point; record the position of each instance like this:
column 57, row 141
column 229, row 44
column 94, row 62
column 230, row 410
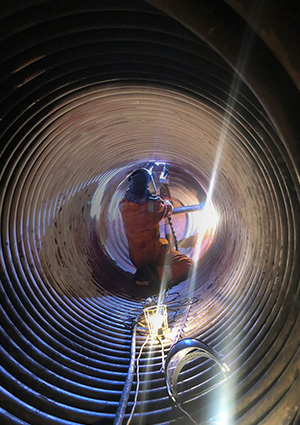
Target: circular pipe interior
column 89, row 93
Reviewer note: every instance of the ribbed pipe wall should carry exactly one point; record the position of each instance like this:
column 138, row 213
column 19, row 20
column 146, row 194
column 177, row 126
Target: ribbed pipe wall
column 88, row 92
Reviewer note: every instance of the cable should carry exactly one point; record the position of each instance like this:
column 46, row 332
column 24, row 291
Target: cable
column 137, row 381
column 128, row 383
column 173, row 232
column 186, row 413
column 162, row 355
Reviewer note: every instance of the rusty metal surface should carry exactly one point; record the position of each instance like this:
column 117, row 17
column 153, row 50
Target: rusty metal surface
column 89, row 92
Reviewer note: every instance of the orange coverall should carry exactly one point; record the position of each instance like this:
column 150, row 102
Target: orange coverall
column 146, row 248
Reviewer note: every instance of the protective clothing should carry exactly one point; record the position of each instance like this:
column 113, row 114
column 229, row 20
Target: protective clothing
column 146, row 248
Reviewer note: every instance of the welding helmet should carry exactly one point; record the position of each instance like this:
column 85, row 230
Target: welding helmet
column 139, row 181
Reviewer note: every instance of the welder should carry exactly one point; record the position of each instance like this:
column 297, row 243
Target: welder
column 142, row 211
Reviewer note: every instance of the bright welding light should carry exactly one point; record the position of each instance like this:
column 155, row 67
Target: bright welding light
column 222, row 419
column 206, row 222
column 209, row 218
column 221, row 410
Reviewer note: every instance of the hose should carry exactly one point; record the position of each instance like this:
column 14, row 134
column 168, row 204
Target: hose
column 173, row 232
column 128, row 383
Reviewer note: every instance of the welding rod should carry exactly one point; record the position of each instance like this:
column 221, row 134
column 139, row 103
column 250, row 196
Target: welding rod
column 188, row 208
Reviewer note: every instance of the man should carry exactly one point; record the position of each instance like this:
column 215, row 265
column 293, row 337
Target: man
column 142, row 212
